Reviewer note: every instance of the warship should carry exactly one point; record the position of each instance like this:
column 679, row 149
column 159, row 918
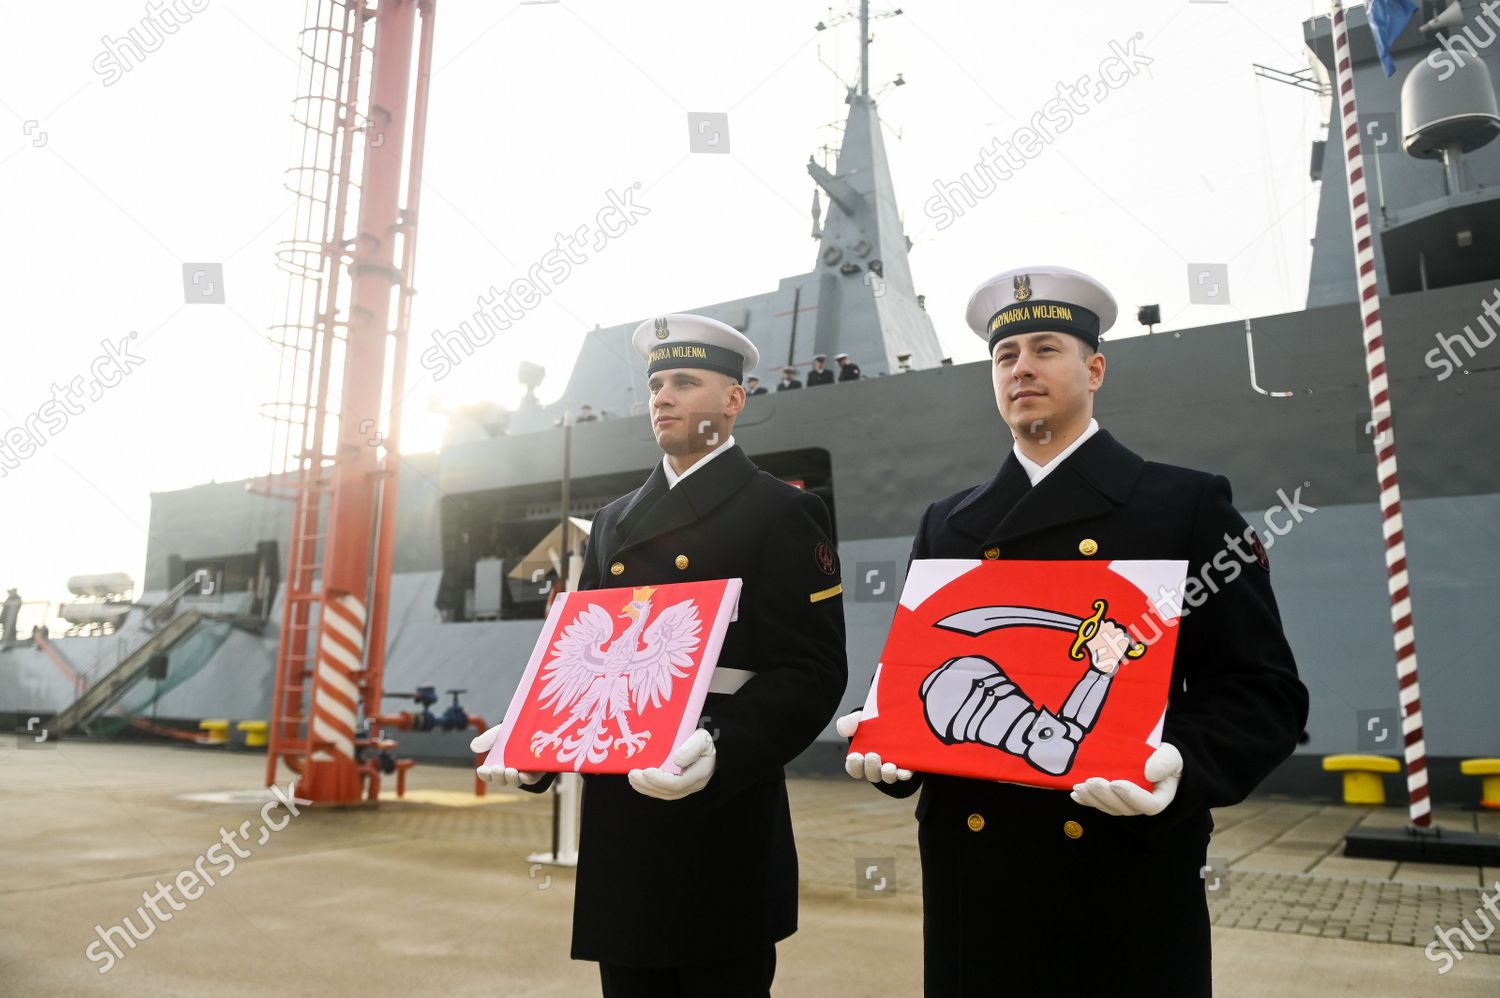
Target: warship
column 1276, row 403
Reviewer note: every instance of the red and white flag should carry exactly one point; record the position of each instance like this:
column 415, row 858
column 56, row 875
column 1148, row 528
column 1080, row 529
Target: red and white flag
column 1035, row 672
column 617, row 678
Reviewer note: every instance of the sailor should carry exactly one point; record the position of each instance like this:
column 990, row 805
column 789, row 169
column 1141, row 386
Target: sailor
column 687, row 882
column 1097, row 891
column 848, row 370
column 820, row 374
column 9, row 611
column 754, row 387
column 788, row 379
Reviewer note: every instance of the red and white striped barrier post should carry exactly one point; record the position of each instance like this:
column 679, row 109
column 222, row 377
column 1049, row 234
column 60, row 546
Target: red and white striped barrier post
column 1397, row 580
column 336, row 693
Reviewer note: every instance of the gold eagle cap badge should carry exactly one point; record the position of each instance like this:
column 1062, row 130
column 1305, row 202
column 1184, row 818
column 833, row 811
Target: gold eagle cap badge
column 661, row 329
column 1022, row 284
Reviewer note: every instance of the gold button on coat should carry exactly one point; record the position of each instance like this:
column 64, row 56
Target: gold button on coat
column 976, row 822
column 617, row 568
column 1088, row 546
column 992, row 553
column 682, row 563
column 1072, row 829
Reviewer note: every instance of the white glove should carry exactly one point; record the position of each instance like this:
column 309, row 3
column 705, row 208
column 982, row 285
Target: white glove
column 1121, row 797
column 503, row 775
column 696, row 757
column 867, row 765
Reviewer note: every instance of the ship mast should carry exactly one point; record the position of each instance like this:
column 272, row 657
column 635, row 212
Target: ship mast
column 864, row 48
column 864, row 298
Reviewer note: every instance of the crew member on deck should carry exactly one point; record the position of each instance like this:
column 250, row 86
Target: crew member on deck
column 9, row 611
column 848, row 370
column 820, row 374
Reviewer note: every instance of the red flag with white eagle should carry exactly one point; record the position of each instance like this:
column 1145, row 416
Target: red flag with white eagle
column 1035, row 672
column 617, row 678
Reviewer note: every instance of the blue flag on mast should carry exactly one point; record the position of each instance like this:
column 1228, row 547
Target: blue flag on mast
column 1388, row 18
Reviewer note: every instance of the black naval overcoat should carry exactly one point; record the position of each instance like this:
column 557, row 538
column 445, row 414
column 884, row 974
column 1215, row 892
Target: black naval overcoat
column 1024, row 891
column 713, row 876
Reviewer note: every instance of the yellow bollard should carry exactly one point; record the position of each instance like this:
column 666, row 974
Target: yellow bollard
column 1362, row 783
column 216, row 732
column 255, row 733
column 1489, row 771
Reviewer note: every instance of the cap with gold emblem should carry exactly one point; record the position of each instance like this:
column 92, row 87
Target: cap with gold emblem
column 680, row 340
column 1041, row 299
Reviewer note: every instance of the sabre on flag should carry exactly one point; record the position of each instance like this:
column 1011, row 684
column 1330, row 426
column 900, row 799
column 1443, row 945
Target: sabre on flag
column 991, row 672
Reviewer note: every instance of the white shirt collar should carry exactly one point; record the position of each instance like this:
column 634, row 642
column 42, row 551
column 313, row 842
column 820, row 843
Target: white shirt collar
column 1037, row 472
column 673, row 477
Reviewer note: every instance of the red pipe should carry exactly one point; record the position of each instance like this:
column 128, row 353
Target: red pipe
column 403, row 722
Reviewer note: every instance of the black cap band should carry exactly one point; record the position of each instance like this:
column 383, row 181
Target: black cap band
column 1039, row 316
column 705, row 356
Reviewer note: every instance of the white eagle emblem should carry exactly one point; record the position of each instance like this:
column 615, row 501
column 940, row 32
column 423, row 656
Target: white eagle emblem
column 598, row 678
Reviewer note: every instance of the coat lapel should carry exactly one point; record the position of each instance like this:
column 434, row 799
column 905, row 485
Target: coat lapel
column 1095, row 479
column 989, row 503
column 641, row 501
column 691, row 500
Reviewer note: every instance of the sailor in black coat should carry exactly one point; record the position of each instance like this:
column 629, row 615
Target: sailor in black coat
column 685, row 883
column 820, row 374
column 1099, row 892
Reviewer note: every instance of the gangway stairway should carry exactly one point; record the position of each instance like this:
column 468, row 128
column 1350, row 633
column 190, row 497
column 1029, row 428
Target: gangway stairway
column 165, row 629
column 122, row 677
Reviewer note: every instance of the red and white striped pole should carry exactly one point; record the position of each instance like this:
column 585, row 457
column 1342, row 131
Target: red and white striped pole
column 1397, row 580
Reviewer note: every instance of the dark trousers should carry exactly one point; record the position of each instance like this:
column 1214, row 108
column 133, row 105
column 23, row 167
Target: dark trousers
column 743, row 977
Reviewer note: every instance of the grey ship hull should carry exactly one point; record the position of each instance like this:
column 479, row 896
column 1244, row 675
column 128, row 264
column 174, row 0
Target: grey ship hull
column 882, row 448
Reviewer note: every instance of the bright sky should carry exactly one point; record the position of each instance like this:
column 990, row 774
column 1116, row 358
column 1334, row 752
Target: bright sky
column 536, row 111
